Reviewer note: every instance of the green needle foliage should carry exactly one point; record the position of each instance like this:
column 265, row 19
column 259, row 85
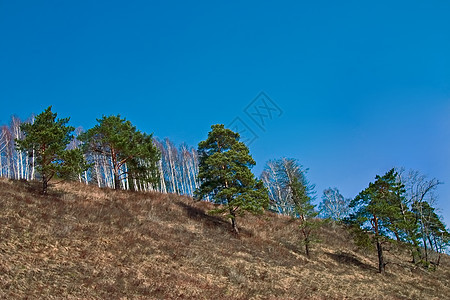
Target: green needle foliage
column 225, row 175
column 132, row 153
column 48, row 138
column 378, row 211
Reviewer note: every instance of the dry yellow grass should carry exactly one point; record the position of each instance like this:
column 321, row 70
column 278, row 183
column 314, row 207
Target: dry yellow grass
column 82, row 242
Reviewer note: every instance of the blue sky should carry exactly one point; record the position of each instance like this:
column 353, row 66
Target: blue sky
column 363, row 86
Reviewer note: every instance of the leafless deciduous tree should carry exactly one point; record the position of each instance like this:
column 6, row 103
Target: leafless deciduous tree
column 15, row 163
column 277, row 176
column 421, row 198
column 334, row 205
column 178, row 168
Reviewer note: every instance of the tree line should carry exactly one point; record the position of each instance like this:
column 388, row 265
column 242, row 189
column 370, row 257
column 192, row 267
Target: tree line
column 397, row 208
column 175, row 170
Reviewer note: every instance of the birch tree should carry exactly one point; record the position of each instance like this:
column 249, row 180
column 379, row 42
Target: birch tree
column 420, row 201
column 178, row 168
column 7, row 152
column 4, row 143
column 334, row 205
column 291, row 194
column 277, row 177
column 280, row 201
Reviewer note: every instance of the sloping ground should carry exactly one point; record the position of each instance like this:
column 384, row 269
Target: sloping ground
column 91, row 243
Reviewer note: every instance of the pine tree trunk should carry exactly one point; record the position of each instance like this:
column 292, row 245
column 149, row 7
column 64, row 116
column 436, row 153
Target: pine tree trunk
column 416, row 253
column 432, row 246
column 425, row 247
column 397, row 236
column 381, row 264
column 306, row 246
column 44, row 184
column 116, row 180
column 233, row 221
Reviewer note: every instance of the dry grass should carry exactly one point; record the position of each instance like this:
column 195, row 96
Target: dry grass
column 85, row 242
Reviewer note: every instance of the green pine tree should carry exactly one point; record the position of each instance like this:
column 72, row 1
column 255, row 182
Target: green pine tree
column 119, row 140
column 377, row 211
column 48, row 137
column 225, row 175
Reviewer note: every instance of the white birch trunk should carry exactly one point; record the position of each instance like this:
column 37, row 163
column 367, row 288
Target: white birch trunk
column 161, row 176
column 171, row 165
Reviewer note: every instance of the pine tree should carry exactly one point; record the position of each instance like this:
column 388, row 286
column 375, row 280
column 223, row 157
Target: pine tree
column 377, row 210
column 49, row 137
column 132, row 153
column 225, row 175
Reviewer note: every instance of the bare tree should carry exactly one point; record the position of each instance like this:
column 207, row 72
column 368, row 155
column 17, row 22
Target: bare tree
column 277, row 177
column 4, row 141
column 15, row 163
column 171, row 152
column 280, row 201
column 178, row 168
column 8, row 150
column 334, row 205
column 421, row 197
column 291, row 194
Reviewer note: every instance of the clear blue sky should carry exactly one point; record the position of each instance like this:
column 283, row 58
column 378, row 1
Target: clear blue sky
column 363, row 86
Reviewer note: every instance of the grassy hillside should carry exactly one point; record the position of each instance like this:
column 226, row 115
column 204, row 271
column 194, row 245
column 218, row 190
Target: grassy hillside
column 89, row 243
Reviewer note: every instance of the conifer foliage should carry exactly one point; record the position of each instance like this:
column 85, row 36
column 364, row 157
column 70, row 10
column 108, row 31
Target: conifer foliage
column 132, row 153
column 225, row 175
column 398, row 208
column 48, row 138
column 378, row 211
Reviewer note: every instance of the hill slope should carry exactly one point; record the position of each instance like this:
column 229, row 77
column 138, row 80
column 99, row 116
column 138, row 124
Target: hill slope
column 88, row 242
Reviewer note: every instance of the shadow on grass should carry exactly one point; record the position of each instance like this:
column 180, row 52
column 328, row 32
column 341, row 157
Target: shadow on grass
column 35, row 187
column 31, row 186
column 211, row 220
column 349, row 259
column 294, row 247
column 199, row 215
